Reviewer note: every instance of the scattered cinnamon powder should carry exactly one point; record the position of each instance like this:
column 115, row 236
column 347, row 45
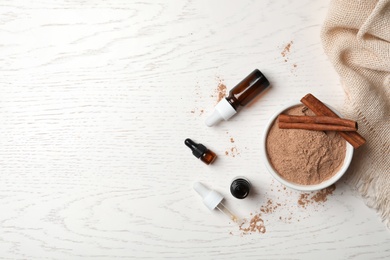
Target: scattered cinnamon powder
column 256, row 225
column 303, row 199
column 322, row 195
column 221, row 91
column 234, row 151
column 289, row 213
column 302, row 156
column 318, row 197
column 269, row 207
column 197, row 111
column 286, row 49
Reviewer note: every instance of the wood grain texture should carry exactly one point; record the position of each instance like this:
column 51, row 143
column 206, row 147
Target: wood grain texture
column 96, row 99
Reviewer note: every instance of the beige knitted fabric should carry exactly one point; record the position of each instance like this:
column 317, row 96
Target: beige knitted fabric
column 356, row 38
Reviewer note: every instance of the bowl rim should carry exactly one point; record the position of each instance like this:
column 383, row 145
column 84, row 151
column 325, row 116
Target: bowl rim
column 295, row 186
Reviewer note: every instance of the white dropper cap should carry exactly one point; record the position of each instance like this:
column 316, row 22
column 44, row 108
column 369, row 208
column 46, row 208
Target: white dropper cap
column 211, row 198
column 223, row 111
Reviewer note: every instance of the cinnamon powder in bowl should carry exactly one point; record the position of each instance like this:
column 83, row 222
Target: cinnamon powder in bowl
column 303, row 159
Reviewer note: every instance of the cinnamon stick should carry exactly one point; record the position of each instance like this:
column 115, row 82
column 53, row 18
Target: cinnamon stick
column 319, row 120
column 316, row 127
column 320, row 109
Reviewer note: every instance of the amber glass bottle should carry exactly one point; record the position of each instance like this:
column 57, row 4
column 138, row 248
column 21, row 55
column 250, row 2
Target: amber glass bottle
column 239, row 96
column 200, row 151
column 245, row 91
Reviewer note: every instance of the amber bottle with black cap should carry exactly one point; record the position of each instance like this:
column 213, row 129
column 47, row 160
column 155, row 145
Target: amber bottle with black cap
column 200, row 151
column 238, row 97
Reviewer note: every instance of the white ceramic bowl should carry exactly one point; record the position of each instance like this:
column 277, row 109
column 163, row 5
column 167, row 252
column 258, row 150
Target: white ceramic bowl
column 322, row 185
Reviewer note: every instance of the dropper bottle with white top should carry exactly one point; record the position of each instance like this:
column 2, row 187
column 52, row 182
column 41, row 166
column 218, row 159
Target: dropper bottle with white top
column 213, row 200
column 239, row 96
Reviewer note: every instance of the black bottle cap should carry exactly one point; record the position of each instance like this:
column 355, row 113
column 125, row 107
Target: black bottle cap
column 197, row 149
column 240, row 188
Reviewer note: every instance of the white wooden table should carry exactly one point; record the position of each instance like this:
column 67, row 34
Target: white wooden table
column 96, row 100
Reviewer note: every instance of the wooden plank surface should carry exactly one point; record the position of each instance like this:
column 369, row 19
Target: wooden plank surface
column 96, row 100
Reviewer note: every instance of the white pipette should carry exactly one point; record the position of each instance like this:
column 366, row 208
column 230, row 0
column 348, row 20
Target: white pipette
column 213, row 199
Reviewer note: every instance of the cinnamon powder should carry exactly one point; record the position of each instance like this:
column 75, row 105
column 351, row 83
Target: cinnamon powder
column 286, row 51
column 256, row 224
column 257, row 221
column 302, row 156
column 319, row 197
column 221, row 91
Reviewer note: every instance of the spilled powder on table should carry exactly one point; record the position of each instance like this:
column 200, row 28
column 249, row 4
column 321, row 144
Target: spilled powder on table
column 197, row 112
column 286, row 51
column 256, row 223
column 198, row 96
column 221, row 91
column 232, row 151
column 321, row 196
column 286, row 209
column 294, row 69
column 285, row 54
column 201, row 111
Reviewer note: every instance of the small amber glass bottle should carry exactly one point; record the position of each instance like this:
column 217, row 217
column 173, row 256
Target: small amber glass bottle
column 239, row 96
column 200, row 151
